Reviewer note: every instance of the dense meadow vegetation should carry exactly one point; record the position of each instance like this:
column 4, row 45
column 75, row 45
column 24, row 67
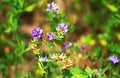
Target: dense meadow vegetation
column 59, row 38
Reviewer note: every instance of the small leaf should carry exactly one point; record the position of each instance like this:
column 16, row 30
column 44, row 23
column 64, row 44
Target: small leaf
column 98, row 52
column 7, row 30
column 21, row 2
column 104, row 70
column 77, row 73
column 29, row 75
column 6, row 0
column 49, row 44
column 112, row 8
column 30, row 8
column 114, row 47
column 72, row 29
column 88, row 70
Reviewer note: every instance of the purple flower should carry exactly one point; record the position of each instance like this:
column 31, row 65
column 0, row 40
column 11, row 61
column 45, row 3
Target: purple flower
column 37, row 33
column 53, row 6
column 114, row 59
column 46, row 59
column 83, row 47
column 51, row 35
column 67, row 44
column 62, row 27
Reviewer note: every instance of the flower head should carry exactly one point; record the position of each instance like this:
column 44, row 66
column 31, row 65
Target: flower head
column 114, row 59
column 83, row 47
column 37, row 33
column 67, row 44
column 43, row 59
column 51, row 35
column 53, row 6
column 62, row 29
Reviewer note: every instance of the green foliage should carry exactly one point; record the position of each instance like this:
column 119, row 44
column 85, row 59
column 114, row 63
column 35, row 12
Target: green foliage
column 77, row 73
column 97, row 53
column 114, row 48
column 30, row 7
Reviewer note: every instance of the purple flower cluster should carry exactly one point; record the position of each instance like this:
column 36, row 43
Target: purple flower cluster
column 114, row 59
column 62, row 27
column 37, row 33
column 53, row 6
column 51, row 35
column 67, row 44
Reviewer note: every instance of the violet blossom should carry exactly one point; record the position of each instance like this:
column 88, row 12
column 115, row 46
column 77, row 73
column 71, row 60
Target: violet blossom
column 114, row 59
column 84, row 47
column 53, row 6
column 62, row 29
column 67, row 44
column 51, row 35
column 37, row 33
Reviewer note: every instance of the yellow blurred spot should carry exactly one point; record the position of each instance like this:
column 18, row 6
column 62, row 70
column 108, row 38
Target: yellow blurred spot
column 61, row 10
column 83, row 39
column 73, row 18
column 79, row 55
column 46, row 27
column 103, row 42
column 30, row 7
column 39, row 72
column 92, row 42
column 118, row 36
column 88, row 40
column 40, row 2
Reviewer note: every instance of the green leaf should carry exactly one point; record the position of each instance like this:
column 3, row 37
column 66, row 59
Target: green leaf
column 6, row 0
column 29, row 75
column 98, row 52
column 104, row 70
column 49, row 44
column 112, row 8
column 79, row 76
column 7, row 30
column 30, row 7
column 114, row 47
column 72, row 29
column 77, row 73
column 67, row 73
column 88, row 70
column 21, row 2
column 36, row 42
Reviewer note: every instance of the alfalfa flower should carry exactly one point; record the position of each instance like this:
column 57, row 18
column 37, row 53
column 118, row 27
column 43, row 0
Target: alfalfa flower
column 35, row 47
column 51, row 35
column 43, row 59
column 62, row 29
column 67, row 44
column 114, row 59
column 37, row 33
column 53, row 6
column 84, row 47
column 67, row 63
